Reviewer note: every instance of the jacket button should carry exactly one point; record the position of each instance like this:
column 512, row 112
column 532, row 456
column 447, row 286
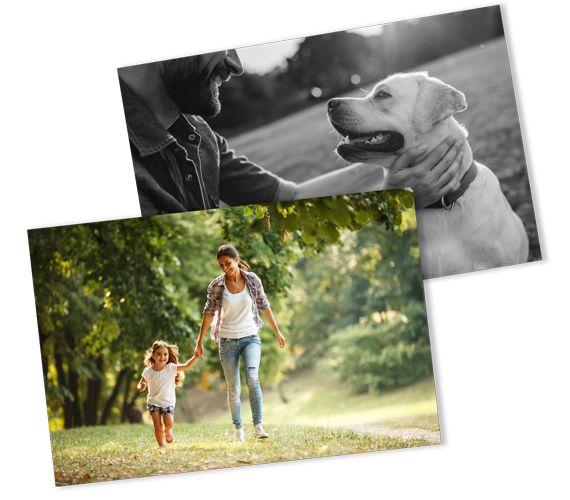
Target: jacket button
column 188, row 177
column 191, row 137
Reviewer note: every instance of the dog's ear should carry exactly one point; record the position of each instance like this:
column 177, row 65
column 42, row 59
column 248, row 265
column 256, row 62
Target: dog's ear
column 435, row 102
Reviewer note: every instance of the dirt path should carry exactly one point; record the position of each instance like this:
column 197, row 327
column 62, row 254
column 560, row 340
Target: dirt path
column 404, row 434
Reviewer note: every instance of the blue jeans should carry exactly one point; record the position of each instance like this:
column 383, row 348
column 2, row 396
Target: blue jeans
column 250, row 350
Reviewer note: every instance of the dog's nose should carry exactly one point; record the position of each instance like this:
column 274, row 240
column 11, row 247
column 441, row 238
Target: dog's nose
column 333, row 103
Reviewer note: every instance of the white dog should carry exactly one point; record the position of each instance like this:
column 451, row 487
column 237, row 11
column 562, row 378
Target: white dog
column 474, row 227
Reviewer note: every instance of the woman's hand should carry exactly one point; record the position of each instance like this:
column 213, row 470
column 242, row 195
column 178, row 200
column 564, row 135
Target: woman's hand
column 432, row 176
column 199, row 350
column 268, row 313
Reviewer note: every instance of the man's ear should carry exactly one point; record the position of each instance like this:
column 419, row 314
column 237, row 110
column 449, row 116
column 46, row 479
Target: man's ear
column 435, row 102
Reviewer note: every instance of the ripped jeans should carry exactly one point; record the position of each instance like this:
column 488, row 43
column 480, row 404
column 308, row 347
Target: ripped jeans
column 250, row 350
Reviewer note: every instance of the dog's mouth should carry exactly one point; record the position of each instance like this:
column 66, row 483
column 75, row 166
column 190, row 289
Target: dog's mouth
column 381, row 141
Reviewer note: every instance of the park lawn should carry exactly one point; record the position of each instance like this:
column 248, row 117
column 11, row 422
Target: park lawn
column 94, row 454
column 315, row 422
column 314, row 399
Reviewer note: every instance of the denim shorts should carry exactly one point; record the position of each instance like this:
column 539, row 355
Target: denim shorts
column 169, row 410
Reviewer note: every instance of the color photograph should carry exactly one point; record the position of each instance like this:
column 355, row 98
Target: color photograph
column 155, row 355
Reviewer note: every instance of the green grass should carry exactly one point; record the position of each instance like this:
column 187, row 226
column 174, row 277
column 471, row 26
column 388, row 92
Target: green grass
column 321, row 418
column 94, row 454
column 312, row 399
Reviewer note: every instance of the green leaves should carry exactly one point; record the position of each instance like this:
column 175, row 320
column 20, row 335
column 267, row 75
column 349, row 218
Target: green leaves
column 316, row 222
column 101, row 292
column 260, row 211
column 406, row 198
column 391, row 352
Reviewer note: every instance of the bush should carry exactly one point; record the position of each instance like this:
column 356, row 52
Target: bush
column 374, row 355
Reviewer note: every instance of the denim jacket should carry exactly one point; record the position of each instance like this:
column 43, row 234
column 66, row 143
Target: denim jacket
column 215, row 304
column 189, row 166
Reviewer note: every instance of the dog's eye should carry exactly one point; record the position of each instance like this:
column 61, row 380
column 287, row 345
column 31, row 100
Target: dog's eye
column 382, row 95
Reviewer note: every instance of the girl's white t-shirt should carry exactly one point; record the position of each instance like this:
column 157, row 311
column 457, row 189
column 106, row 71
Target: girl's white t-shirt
column 238, row 316
column 161, row 385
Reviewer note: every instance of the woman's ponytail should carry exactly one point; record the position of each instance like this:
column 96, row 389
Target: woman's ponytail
column 242, row 264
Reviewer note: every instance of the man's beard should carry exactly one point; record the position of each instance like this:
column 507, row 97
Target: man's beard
column 188, row 88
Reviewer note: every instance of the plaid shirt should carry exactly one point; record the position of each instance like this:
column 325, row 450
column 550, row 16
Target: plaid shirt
column 215, row 304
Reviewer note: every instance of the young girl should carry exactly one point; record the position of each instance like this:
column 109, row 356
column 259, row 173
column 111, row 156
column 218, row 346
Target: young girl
column 162, row 374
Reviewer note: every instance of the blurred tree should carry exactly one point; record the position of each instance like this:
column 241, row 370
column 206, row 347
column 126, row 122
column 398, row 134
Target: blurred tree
column 329, row 61
column 390, row 352
column 373, row 272
column 101, row 300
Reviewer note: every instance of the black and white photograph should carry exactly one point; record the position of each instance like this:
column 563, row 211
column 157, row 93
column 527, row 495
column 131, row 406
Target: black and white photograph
column 404, row 104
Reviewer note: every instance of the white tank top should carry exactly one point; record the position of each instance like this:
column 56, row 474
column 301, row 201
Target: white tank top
column 238, row 316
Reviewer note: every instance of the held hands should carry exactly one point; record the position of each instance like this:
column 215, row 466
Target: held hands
column 281, row 339
column 431, row 176
column 199, row 350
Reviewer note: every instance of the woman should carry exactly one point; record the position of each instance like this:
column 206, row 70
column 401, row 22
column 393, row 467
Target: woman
column 234, row 301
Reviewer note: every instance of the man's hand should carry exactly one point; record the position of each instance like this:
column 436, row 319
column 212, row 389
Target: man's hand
column 432, row 176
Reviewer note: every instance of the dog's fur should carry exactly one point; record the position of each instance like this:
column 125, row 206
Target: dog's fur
column 481, row 231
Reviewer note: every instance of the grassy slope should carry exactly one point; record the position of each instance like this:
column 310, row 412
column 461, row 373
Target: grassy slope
column 313, row 400
column 300, row 146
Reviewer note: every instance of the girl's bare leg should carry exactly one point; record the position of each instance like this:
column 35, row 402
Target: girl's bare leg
column 157, row 427
column 168, row 423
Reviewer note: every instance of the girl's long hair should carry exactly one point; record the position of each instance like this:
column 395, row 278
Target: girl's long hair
column 230, row 251
column 172, row 358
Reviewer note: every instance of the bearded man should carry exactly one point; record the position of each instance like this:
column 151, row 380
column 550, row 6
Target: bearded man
column 181, row 164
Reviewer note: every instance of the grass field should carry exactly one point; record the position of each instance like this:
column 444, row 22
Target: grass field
column 94, row 454
column 312, row 399
column 320, row 419
column 301, row 146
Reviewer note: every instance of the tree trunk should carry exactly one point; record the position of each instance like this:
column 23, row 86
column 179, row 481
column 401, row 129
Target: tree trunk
column 113, row 397
column 131, row 411
column 73, row 382
column 282, row 394
column 45, row 359
column 77, row 421
column 126, row 397
column 93, row 394
column 61, row 382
